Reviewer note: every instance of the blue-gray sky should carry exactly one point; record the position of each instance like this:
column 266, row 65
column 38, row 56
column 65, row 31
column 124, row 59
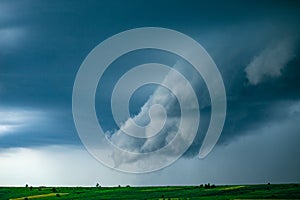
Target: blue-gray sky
column 254, row 45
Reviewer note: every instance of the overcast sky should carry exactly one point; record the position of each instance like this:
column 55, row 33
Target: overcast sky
column 254, row 45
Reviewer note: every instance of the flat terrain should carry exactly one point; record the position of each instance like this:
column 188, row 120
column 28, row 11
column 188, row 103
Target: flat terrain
column 278, row 191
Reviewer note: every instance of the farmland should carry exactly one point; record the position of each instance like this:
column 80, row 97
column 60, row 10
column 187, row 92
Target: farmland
column 264, row 191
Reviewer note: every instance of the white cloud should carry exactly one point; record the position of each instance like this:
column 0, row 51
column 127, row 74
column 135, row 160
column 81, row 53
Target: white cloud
column 161, row 96
column 271, row 61
column 13, row 119
column 270, row 156
column 56, row 165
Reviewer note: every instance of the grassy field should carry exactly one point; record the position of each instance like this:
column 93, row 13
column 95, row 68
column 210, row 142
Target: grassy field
column 278, row 191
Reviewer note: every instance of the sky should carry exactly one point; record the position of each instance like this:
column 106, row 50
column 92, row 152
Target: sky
column 254, row 45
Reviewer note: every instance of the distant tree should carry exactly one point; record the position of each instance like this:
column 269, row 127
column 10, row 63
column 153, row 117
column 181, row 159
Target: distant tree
column 97, row 185
column 57, row 195
column 201, row 185
column 26, row 185
column 30, row 188
column 119, row 185
column 213, row 186
column 207, row 186
column 127, row 185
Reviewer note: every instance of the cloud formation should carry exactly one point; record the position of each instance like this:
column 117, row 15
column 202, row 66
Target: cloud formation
column 261, row 137
column 244, row 114
column 271, row 61
column 180, row 91
column 14, row 120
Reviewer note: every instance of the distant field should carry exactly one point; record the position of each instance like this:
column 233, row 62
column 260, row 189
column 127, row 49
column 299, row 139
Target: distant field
column 278, row 191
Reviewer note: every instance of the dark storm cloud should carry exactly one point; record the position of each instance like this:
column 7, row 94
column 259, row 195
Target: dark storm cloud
column 32, row 127
column 252, row 107
column 44, row 42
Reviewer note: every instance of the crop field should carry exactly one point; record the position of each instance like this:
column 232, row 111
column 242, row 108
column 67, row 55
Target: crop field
column 266, row 191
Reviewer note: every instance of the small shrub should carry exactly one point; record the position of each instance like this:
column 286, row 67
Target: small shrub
column 57, row 195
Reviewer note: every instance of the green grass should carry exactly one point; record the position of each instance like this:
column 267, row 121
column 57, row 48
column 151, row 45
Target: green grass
column 276, row 191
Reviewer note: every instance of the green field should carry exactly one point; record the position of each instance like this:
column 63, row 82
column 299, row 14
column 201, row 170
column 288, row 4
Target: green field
column 266, row 191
